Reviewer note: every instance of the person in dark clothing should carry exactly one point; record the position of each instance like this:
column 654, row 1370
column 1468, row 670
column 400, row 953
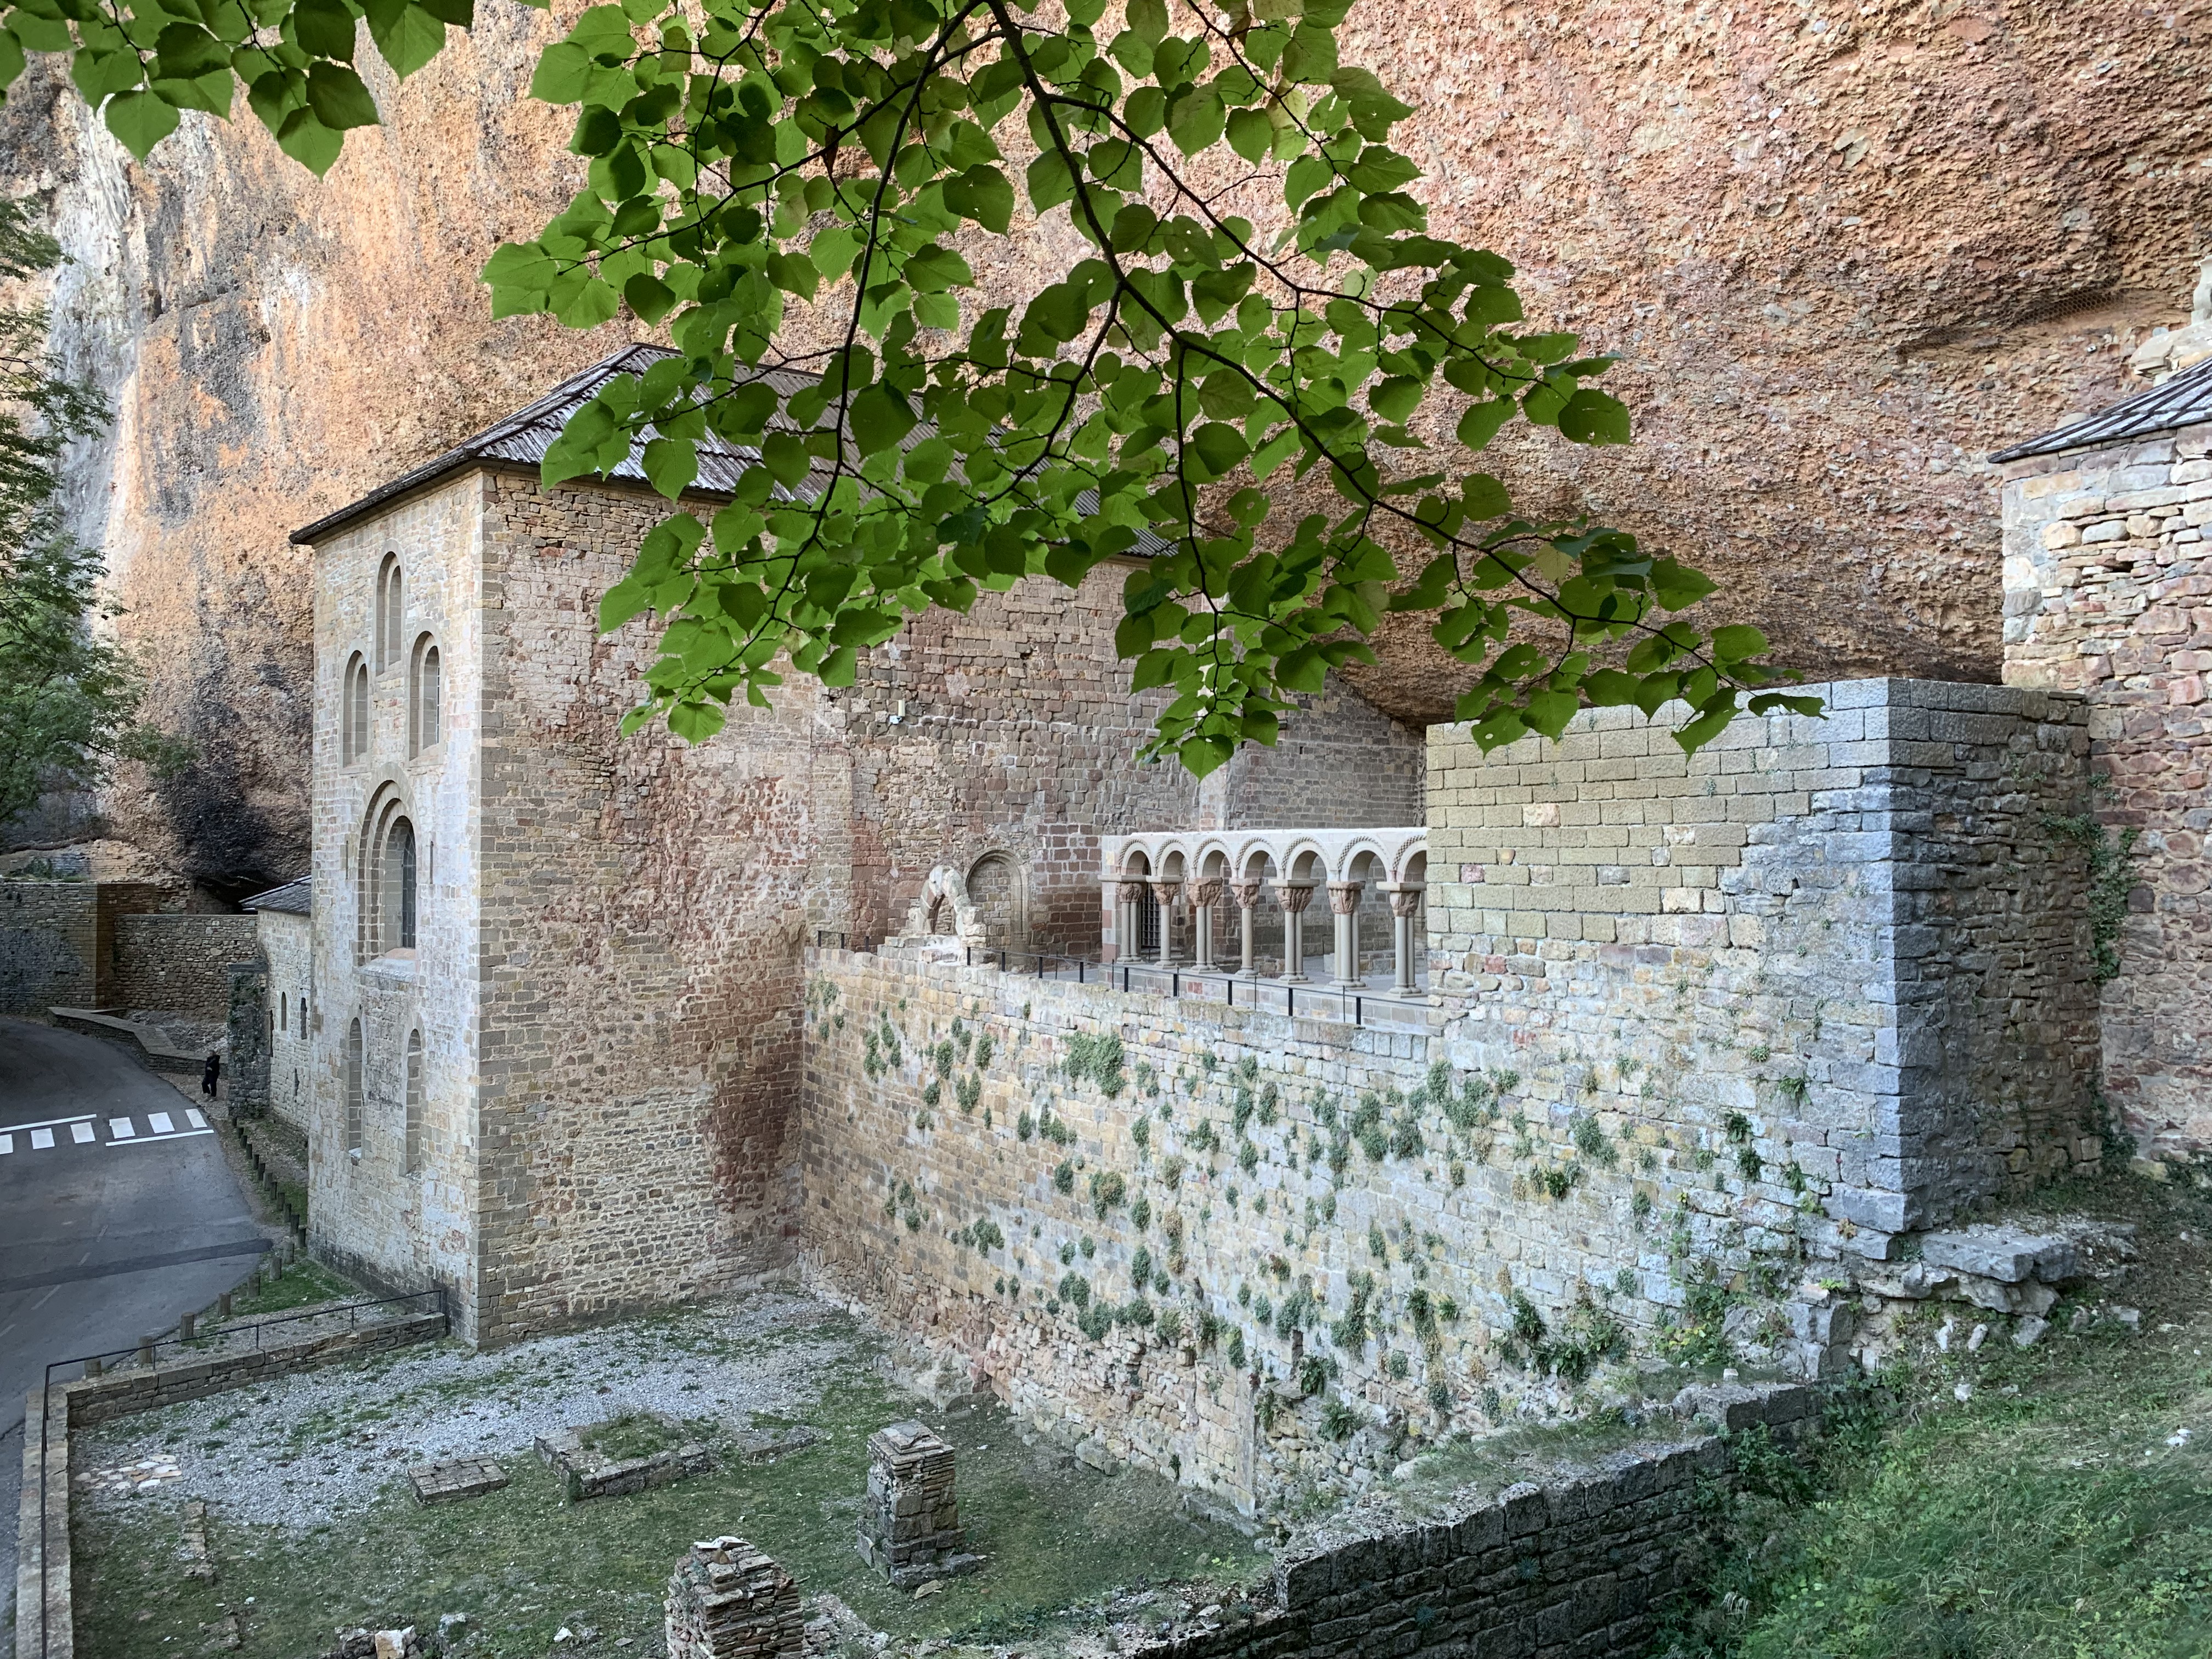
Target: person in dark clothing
column 210, row 1074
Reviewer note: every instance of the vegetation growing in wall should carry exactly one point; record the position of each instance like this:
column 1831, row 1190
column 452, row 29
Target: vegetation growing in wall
column 1098, row 1056
column 2109, row 851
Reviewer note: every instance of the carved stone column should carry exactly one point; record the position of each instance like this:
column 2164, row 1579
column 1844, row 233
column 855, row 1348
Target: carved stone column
column 1404, row 907
column 1204, row 895
column 1128, row 894
column 1343, row 900
column 1248, row 897
column 1294, row 897
column 1165, row 893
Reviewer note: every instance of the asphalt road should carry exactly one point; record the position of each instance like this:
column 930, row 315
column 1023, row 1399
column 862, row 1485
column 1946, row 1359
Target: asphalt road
column 118, row 1213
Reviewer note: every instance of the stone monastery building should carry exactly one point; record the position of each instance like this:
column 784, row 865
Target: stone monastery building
column 1622, row 1038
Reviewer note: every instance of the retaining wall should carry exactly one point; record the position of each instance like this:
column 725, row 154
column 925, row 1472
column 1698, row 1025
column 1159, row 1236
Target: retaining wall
column 179, row 962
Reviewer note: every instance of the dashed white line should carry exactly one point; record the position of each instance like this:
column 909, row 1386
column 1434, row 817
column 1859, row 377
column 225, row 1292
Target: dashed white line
column 7, row 1144
column 192, row 1116
column 44, row 1123
column 80, row 1133
column 41, row 1138
column 160, row 1123
column 121, row 1129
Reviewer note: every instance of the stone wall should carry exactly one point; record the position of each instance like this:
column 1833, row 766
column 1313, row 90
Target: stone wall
column 49, row 955
column 288, row 944
column 2108, row 593
column 178, row 963
column 1849, row 954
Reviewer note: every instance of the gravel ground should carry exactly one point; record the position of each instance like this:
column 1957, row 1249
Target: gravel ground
column 309, row 1449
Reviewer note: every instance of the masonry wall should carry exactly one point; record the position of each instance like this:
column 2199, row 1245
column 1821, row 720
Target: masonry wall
column 288, row 944
column 368, row 1211
column 178, row 963
column 2108, row 594
column 48, row 945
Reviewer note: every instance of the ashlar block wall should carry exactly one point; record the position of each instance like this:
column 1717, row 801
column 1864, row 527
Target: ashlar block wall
column 1856, row 944
column 2108, row 595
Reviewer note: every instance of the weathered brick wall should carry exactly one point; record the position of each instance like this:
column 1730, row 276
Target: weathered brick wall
column 1854, row 941
column 2108, row 593
column 49, row 949
column 179, row 963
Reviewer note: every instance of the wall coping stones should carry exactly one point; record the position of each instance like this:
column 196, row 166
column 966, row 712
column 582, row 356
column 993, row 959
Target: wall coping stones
column 2002, row 1253
column 455, row 1479
column 591, row 1472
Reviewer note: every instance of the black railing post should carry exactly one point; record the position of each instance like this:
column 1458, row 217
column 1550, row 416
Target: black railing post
column 1079, row 971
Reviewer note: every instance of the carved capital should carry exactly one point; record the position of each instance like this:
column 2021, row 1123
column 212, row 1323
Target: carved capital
column 1405, row 899
column 1293, row 895
column 1132, row 892
column 1344, row 897
column 1208, row 892
column 1246, row 892
column 1167, row 892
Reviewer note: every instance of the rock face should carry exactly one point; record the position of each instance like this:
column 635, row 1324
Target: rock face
column 1843, row 257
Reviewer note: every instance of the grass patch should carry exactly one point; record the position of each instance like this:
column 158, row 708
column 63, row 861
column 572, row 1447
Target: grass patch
column 2058, row 1513
column 301, row 1285
column 633, row 1435
column 521, row 1563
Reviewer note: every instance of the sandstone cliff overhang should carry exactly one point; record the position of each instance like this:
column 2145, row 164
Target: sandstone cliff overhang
column 2186, row 399
column 523, row 438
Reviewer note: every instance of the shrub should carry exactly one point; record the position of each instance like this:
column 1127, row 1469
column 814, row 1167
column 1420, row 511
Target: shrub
column 1024, row 1127
column 1075, row 1290
column 1107, row 1188
column 1098, row 1056
column 1141, row 1213
column 1339, row 1422
column 1063, row 1176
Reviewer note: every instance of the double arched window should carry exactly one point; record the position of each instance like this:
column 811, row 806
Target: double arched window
column 390, row 612
column 353, row 713
column 425, row 695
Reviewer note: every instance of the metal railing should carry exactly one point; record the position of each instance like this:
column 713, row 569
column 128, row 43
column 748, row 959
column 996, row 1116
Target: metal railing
column 824, row 935
column 146, row 1351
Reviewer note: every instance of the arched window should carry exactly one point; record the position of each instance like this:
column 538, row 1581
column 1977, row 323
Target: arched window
column 303, row 1018
column 997, row 889
column 398, row 884
column 390, row 612
column 353, row 713
column 284, row 1012
column 425, row 715
column 412, row 1143
column 353, row 1086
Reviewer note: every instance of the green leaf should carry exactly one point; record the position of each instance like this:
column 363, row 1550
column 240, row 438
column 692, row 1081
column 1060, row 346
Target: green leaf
column 1195, row 122
column 671, row 465
column 406, row 35
column 187, row 52
column 1148, row 20
column 323, row 28
column 139, row 121
column 1251, row 135
column 1219, row 447
column 1593, row 417
column 337, row 96
column 1738, row 643
column 1482, row 420
column 1049, row 181
column 12, row 60
column 880, row 416
column 983, row 194
column 593, row 302
column 1676, row 585
column 1548, row 712
column 308, row 142
column 648, row 297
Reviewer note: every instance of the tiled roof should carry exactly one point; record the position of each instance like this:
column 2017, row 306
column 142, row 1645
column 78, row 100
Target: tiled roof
column 524, row 437
column 2183, row 399
column 295, row 898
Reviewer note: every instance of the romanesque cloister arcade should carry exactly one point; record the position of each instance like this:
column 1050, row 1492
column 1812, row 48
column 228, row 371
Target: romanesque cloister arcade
column 1166, row 891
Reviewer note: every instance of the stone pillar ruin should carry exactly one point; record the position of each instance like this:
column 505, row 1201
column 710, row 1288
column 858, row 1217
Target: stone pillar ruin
column 1294, row 897
column 728, row 1600
column 910, row 1520
column 1248, row 897
column 1126, row 930
column 1204, row 895
column 1344, row 901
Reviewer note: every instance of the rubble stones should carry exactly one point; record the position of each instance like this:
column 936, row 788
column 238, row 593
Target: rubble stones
column 2002, row 1254
column 459, row 1478
column 591, row 1473
column 728, row 1600
column 361, row 1642
column 910, row 1519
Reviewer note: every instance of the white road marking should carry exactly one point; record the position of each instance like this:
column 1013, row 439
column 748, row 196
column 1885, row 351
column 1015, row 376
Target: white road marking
column 121, row 1129
column 44, row 1123
column 161, row 1123
column 41, row 1138
column 181, row 1134
column 7, row 1144
column 193, row 1117
column 80, row 1133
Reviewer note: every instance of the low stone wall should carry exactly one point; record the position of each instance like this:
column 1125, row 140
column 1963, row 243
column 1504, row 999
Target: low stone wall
column 180, row 962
